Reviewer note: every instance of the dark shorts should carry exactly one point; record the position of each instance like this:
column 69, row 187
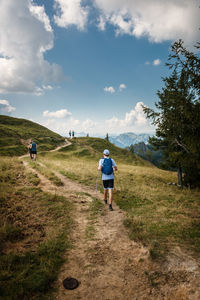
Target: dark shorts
column 108, row 184
column 34, row 152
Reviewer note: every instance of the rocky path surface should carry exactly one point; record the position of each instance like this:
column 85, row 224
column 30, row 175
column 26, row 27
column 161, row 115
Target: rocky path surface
column 108, row 265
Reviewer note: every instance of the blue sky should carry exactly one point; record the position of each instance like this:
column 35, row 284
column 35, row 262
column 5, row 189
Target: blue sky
column 89, row 65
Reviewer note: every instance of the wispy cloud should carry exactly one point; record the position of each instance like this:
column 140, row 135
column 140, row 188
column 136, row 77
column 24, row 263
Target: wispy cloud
column 5, row 107
column 109, row 89
column 62, row 113
column 134, row 121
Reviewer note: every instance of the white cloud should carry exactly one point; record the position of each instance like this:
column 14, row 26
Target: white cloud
column 122, row 87
column 157, row 19
column 109, row 89
column 134, row 121
column 157, row 62
column 25, row 35
column 62, row 113
column 71, row 12
column 5, row 107
column 63, row 127
column 88, row 125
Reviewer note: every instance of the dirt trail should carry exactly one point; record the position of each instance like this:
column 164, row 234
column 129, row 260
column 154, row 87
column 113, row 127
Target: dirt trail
column 110, row 266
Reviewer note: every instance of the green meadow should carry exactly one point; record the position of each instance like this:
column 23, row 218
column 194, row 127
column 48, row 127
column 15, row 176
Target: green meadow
column 158, row 214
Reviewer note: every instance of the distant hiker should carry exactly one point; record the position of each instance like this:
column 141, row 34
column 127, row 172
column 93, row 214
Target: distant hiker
column 73, row 134
column 106, row 166
column 33, row 150
column 70, row 134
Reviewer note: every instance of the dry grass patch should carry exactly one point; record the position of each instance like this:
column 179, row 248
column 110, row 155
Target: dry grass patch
column 34, row 229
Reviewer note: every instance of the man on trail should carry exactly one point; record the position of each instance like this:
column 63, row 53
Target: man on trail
column 106, row 166
column 33, row 150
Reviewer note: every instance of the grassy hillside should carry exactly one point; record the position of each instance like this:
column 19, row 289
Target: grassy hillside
column 159, row 214
column 15, row 133
column 34, row 225
column 93, row 148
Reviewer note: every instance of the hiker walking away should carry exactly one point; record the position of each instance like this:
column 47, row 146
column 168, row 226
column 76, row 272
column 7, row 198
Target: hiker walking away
column 73, row 134
column 107, row 165
column 33, row 150
column 70, row 134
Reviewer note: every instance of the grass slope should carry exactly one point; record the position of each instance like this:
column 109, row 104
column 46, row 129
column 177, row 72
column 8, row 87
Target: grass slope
column 158, row 214
column 34, row 226
column 34, row 234
column 15, row 133
column 92, row 148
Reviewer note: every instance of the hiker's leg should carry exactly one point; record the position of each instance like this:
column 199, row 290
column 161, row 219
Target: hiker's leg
column 110, row 196
column 105, row 194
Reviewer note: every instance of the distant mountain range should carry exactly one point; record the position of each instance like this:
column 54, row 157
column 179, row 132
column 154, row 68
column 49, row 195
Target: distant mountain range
column 124, row 140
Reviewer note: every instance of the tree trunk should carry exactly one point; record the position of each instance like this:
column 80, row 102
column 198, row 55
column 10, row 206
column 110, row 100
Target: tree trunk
column 180, row 176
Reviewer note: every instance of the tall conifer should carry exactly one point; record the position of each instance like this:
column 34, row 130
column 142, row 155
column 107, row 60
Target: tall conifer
column 177, row 117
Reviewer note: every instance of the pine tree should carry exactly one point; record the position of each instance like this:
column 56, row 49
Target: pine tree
column 107, row 137
column 178, row 114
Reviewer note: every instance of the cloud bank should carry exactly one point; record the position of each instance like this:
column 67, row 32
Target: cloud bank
column 158, row 20
column 25, row 36
column 133, row 121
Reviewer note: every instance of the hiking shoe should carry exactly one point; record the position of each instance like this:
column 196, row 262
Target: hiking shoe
column 105, row 201
column 110, row 207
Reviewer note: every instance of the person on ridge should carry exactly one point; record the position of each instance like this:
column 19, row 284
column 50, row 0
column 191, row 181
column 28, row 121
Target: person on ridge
column 107, row 165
